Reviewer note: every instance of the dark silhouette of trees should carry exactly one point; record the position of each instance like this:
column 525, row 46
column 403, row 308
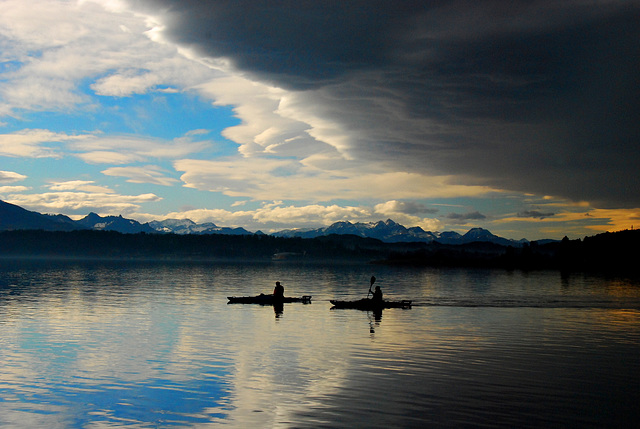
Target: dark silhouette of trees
column 612, row 252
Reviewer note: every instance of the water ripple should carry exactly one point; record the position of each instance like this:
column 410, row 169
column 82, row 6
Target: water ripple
column 155, row 345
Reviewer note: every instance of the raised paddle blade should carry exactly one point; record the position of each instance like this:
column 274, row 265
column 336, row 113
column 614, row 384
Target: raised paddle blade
column 373, row 280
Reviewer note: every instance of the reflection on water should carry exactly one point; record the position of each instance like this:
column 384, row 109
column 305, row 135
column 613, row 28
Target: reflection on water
column 155, row 345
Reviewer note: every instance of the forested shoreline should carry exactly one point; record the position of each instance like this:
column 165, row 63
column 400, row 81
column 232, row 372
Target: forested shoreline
column 603, row 252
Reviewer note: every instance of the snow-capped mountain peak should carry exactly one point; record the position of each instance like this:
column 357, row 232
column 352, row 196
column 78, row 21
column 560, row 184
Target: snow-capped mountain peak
column 392, row 232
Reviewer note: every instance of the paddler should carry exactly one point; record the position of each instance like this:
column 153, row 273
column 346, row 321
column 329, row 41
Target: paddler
column 377, row 295
column 278, row 291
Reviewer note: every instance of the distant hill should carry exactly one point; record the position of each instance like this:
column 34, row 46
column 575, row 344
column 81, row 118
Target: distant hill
column 609, row 252
column 483, row 235
column 14, row 217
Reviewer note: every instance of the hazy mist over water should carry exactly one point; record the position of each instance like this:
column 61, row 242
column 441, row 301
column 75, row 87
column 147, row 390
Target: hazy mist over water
column 156, row 345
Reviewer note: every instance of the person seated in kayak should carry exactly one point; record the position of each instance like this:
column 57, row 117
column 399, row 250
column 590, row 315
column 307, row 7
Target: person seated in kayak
column 278, row 291
column 377, row 295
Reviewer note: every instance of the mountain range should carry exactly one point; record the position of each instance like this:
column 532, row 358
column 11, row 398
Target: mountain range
column 13, row 217
column 392, row 232
column 186, row 226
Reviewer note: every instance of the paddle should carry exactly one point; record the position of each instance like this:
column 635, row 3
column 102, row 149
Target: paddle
column 373, row 280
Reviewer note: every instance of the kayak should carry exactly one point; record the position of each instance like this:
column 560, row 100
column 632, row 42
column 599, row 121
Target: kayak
column 369, row 304
column 267, row 299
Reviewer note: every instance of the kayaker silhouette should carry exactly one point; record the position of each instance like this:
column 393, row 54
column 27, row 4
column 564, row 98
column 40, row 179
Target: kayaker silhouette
column 278, row 291
column 377, row 295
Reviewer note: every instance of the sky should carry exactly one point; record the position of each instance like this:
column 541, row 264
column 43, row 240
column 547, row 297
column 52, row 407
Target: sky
column 520, row 117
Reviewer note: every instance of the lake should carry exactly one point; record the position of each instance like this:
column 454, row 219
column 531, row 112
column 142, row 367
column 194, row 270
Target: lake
column 145, row 345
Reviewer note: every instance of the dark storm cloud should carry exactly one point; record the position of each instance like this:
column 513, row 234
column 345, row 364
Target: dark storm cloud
column 297, row 44
column 532, row 96
column 535, row 214
column 462, row 218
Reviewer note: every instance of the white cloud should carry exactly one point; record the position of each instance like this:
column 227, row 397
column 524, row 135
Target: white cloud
column 4, row 190
column 147, row 174
column 11, row 177
column 122, row 149
column 409, row 207
column 126, row 83
column 109, row 157
column 263, row 128
column 406, row 213
column 33, row 143
column 80, row 185
column 94, row 148
column 67, row 43
column 83, row 202
column 310, row 215
column 47, row 28
column 274, row 179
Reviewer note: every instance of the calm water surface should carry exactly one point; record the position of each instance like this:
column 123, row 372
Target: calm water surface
column 93, row 345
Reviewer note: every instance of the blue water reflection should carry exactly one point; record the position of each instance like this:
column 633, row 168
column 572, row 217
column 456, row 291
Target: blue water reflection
column 84, row 345
column 155, row 345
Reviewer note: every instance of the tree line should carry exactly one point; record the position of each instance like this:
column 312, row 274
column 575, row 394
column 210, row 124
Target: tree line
column 603, row 252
